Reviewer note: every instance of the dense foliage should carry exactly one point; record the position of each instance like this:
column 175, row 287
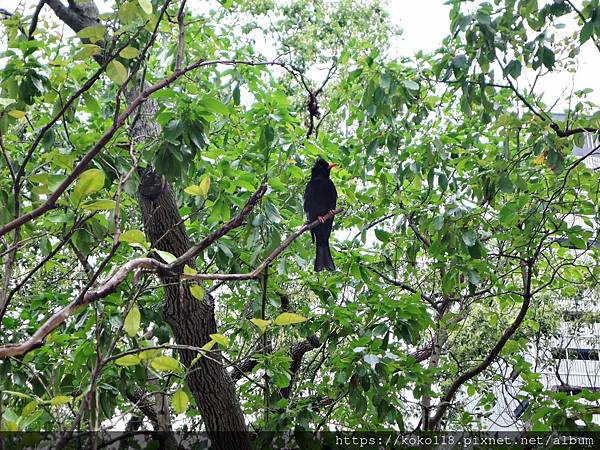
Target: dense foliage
column 467, row 219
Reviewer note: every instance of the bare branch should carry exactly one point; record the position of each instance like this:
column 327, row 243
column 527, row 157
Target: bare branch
column 297, row 353
column 181, row 43
column 527, row 273
column 34, row 19
column 404, row 286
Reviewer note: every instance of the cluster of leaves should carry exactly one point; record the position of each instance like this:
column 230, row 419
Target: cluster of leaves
column 450, row 188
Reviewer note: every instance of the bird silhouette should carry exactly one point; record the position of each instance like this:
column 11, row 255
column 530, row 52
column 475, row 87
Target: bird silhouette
column 320, row 197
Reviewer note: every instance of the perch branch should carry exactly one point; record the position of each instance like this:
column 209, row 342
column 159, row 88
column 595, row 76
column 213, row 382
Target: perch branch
column 152, row 265
column 268, row 260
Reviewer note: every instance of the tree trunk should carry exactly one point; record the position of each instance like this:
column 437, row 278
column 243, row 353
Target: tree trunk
column 192, row 320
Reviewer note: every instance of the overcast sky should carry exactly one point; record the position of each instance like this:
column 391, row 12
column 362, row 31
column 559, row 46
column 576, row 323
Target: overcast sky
column 425, row 23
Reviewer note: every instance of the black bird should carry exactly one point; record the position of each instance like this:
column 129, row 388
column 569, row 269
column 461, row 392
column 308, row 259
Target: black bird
column 320, row 197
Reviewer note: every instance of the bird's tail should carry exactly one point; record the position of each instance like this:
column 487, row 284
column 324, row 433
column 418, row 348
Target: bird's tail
column 323, row 260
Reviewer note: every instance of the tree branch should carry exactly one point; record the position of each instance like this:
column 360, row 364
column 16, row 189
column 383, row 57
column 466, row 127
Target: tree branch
column 212, row 237
column 268, row 260
column 466, row 376
column 297, row 353
column 107, row 136
column 153, row 265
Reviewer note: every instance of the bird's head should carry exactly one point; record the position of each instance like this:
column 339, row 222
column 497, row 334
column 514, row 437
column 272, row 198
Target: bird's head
column 322, row 168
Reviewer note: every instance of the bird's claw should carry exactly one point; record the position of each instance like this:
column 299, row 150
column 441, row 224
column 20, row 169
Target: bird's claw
column 321, row 219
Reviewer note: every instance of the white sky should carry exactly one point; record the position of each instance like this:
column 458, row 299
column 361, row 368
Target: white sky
column 425, row 23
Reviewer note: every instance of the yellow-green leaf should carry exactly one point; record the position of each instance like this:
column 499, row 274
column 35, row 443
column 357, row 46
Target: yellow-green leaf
column 197, row 291
column 100, row 205
column 261, row 323
column 206, row 347
column 209, row 345
column 220, row 339
column 165, row 364
column 94, row 33
column 18, row 394
column 194, row 189
column 16, row 113
column 149, row 354
column 166, row 256
column 128, row 12
column 29, row 408
column 9, row 425
column 133, row 236
column 87, row 51
column 60, row 400
column 189, row 271
column 180, row 401
column 116, row 72
column 129, row 52
column 90, row 181
column 146, row 6
column 204, row 186
column 289, row 319
column 132, row 321
column 128, row 360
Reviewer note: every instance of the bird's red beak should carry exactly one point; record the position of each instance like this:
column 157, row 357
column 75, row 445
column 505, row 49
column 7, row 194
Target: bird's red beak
column 332, row 165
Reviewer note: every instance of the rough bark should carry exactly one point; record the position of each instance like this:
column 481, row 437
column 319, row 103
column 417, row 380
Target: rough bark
column 297, row 353
column 191, row 320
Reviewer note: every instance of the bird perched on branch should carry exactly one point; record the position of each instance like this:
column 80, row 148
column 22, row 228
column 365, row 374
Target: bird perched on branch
column 320, row 197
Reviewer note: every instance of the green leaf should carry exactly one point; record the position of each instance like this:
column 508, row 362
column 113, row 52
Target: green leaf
column 149, row 354
column 180, row 401
column 6, row 101
column 193, row 189
column 438, row 223
column 197, row 291
column 90, row 181
column 166, row 256
column 133, row 236
column 128, row 360
column 61, row 400
column 116, row 72
column 17, row 394
column 30, row 408
column 469, row 238
column 99, row 205
column 94, row 33
column 146, row 6
column 548, row 58
column 189, row 271
column 220, row 339
column 261, row 324
column 410, row 85
column 87, row 51
column 474, row 277
column 382, row 235
column 214, row 105
column 586, row 32
column 17, row 114
column 165, row 364
column 513, row 69
column 132, row 321
column 505, row 184
column 129, row 53
column 289, row 319
column 200, row 190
